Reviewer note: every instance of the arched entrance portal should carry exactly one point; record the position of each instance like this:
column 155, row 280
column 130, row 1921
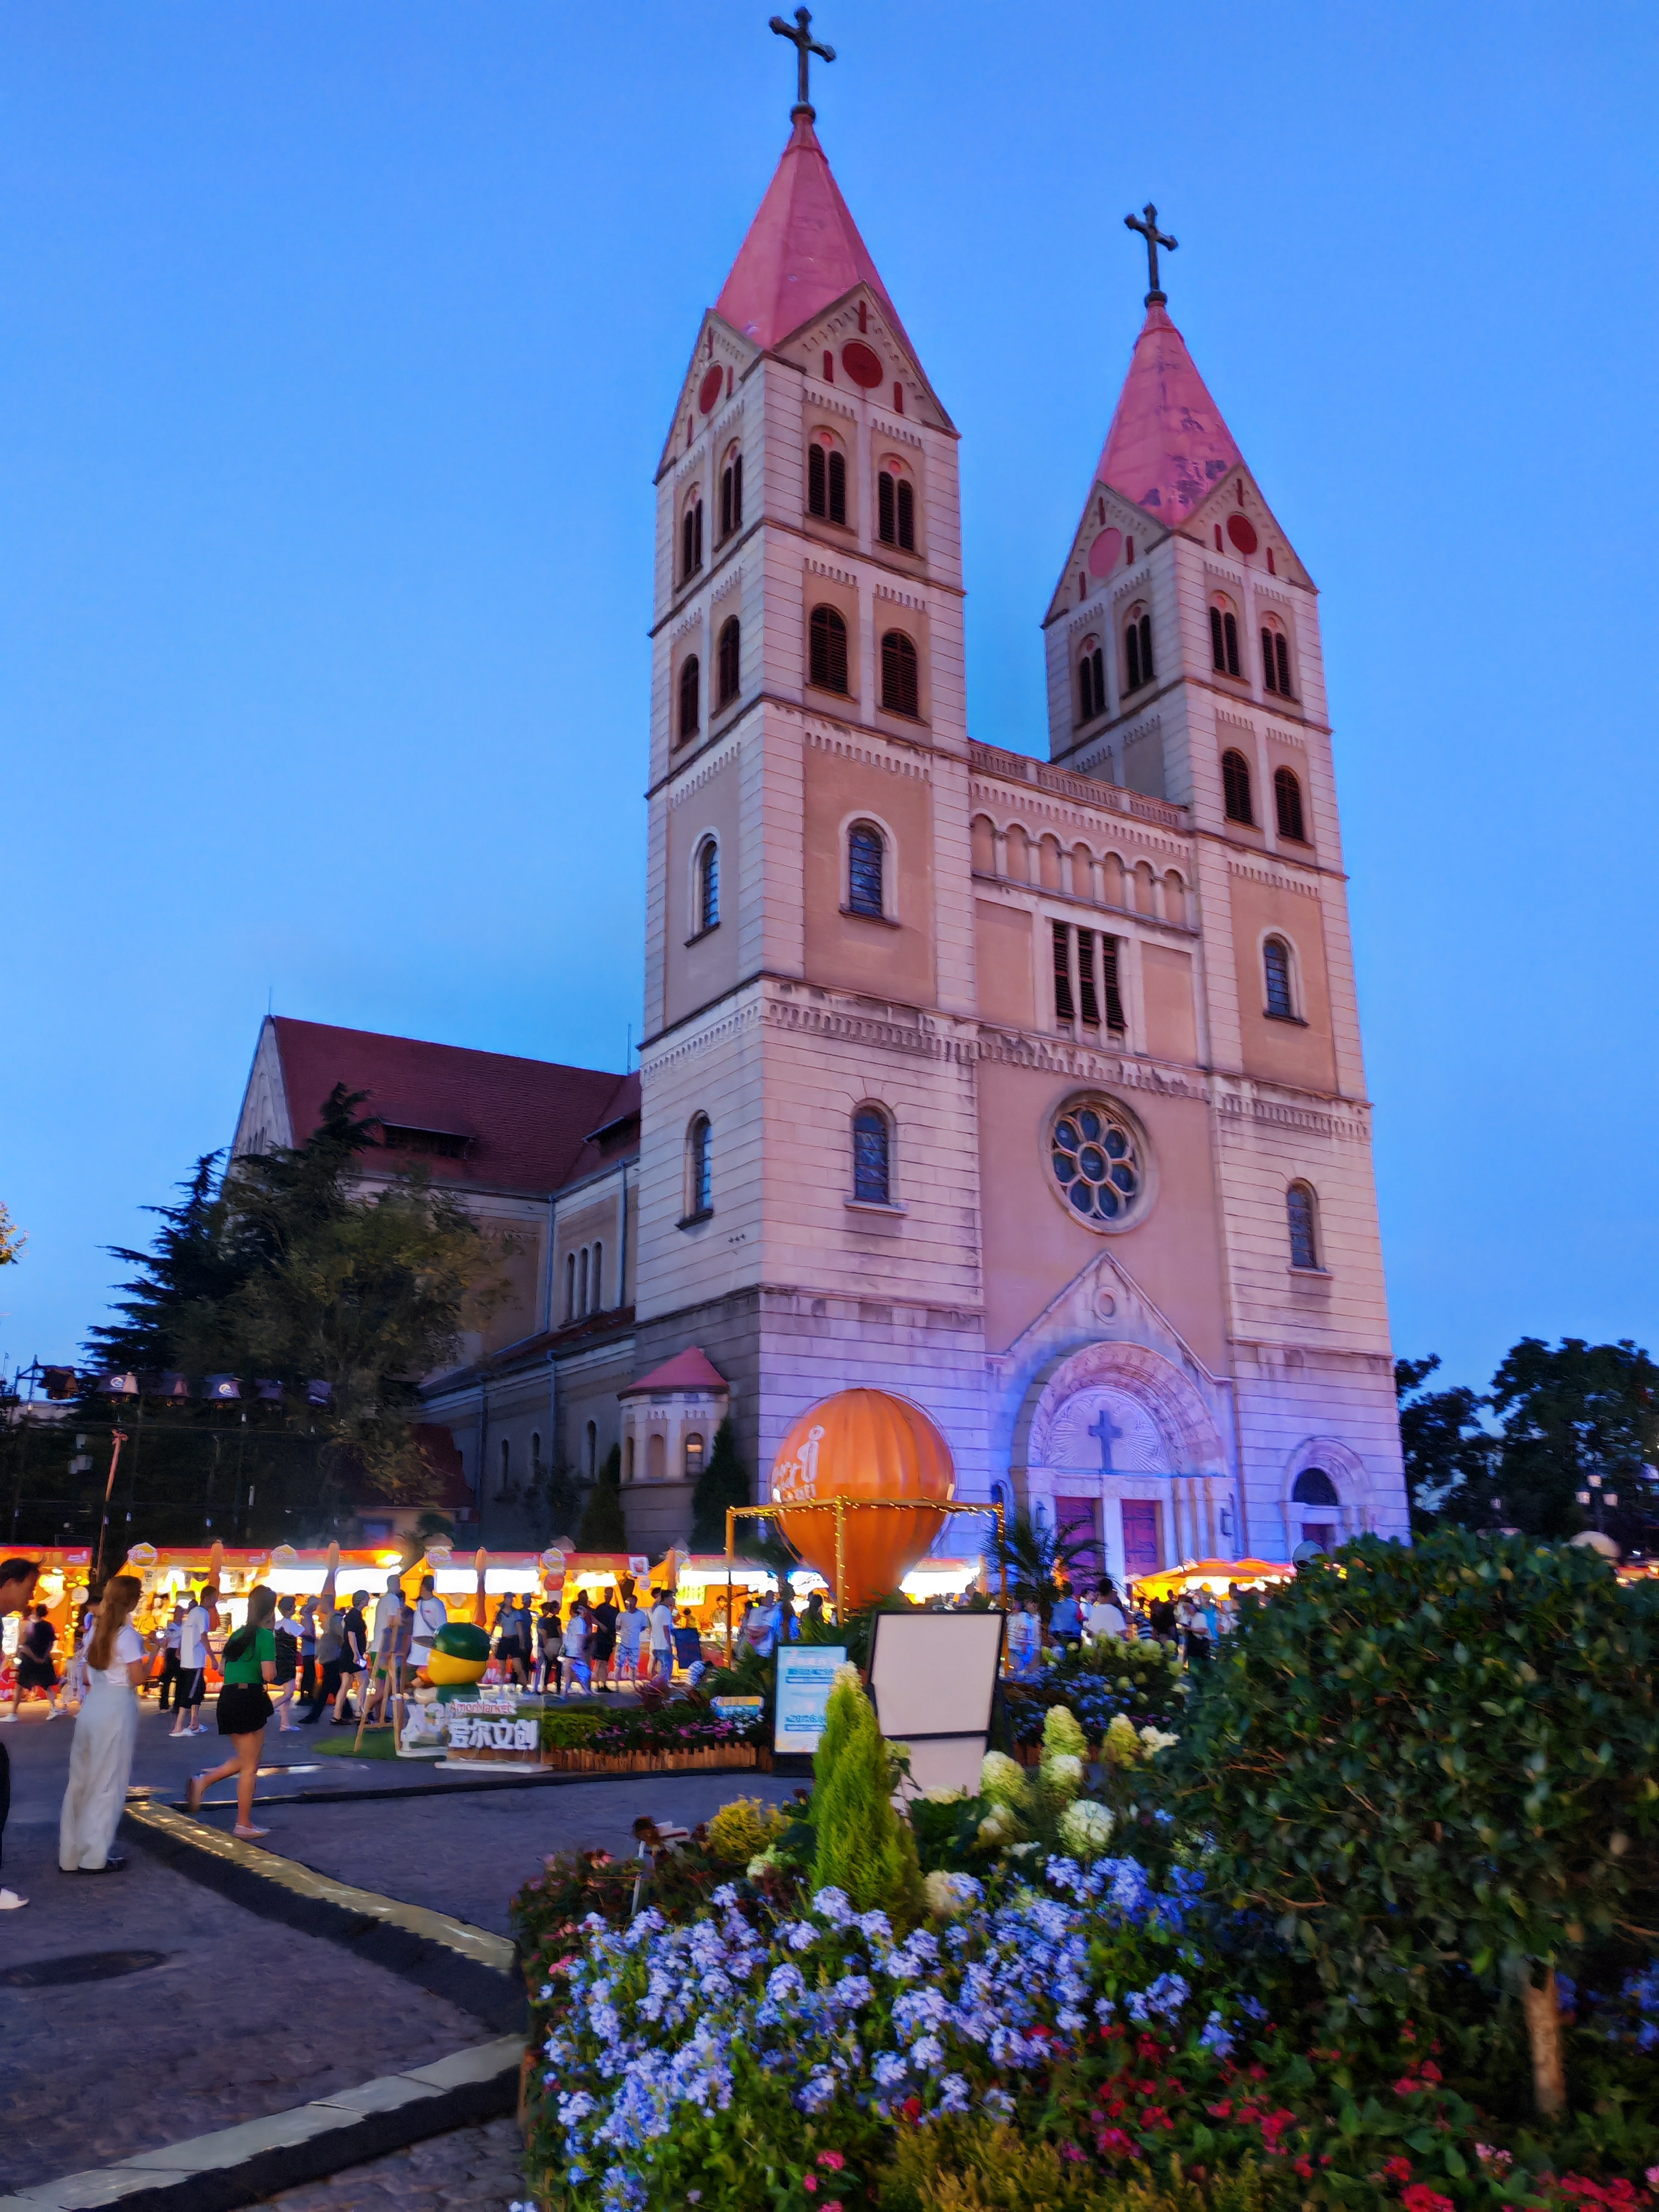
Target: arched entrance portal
column 1123, row 1450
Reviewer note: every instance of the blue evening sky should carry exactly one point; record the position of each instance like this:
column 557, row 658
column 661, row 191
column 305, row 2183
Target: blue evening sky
column 337, row 347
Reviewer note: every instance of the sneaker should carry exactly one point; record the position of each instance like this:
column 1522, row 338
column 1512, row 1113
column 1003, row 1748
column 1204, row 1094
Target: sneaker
column 195, row 1789
column 6, row 1720
column 248, row 1835
column 9, row 1901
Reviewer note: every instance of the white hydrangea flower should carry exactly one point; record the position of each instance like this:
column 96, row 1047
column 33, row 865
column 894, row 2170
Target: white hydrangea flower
column 1002, row 1779
column 1086, row 1828
column 1155, row 1741
column 948, row 1894
column 1063, row 1771
column 940, row 1796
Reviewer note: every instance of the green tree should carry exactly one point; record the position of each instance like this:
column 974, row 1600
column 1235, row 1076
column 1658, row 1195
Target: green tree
column 12, row 1239
column 603, row 1527
column 1434, row 1770
column 723, row 1482
column 1033, row 1554
column 1449, row 1453
column 863, row 1846
column 1570, row 1413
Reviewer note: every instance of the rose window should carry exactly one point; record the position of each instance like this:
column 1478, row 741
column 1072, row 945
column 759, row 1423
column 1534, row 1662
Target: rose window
column 1096, row 1162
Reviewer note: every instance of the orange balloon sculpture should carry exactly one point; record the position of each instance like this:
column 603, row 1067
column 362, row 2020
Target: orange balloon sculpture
column 863, row 1444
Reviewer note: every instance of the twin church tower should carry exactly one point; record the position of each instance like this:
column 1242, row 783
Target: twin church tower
column 1030, row 1092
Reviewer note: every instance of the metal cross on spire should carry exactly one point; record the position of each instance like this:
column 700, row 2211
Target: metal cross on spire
column 806, row 46
column 1147, row 224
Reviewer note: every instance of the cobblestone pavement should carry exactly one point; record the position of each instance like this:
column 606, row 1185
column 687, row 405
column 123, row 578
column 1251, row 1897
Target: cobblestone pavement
column 474, row 2170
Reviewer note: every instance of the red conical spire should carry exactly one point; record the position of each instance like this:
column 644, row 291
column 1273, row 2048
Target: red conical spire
column 802, row 252
column 1168, row 443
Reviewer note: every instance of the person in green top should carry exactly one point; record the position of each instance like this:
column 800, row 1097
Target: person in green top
column 245, row 1706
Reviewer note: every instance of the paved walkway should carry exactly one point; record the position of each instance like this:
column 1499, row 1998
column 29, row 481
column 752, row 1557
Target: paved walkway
column 243, row 2017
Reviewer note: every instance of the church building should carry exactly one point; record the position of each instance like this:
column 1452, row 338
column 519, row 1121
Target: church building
column 1030, row 1091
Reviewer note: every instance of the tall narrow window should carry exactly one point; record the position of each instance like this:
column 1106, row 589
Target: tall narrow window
column 827, row 650
column 1276, row 661
column 864, row 857
column 1138, row 651
column 694, row 1458
column 690, row 701
column 709, row 884
column 1091, row 680
column 592, row 1449
column 1236, row 786
column 837, row 484
column 691, row 540
column 570, row 1286
column 900, row 685
column 731, row 495
column 1287, row 804
column 699, row 1168
column 818, row 480
column 729, row 660
column 1224, row 640
column 1276, row 972
column 1114, row 997
column 596, row 1281
column 581, row 1283
column 895, row 511
column 871, row 1175
column 1088, row 996
column 1065, row 1008
column 1304, row 1243
column 507, row 1468
column 886, row 509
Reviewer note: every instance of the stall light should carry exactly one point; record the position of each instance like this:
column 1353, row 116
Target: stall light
column 391, row 1559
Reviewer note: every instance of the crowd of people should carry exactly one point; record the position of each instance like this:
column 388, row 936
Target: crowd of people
column 1195, row 1622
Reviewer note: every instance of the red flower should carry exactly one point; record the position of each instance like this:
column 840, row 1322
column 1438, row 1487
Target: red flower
column 1428, row 2071
column 809, row 2182
column 1419, row 2198
column 832, row 2158
column 1405, row 2087
column 834, row 2205
column 1221, row 2111
column 1305, row 2167
column 1112, row 2142
column 911, row 2109
column 1398, row 2169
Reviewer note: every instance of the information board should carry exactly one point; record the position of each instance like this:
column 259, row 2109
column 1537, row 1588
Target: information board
column 806, row 1674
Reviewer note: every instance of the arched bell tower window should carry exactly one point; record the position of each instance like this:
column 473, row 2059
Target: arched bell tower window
column 731, row 492
column 866, row 859
column 1223, row 637
column 871, row 1157
column 827, row 649
column 1301, row 1220
column 900, row 674
column 728, row 661
column 709, row 884
column 1236, row 788
column 1287, row 805
column 896, row 508
column 699, row 1168
column 690, row 698
column 692, row 539
column 1276, row 976
column 1091, row 680
column 1137, row 649
column 826, row 480
column 1275, row 658
column 1313, row 1486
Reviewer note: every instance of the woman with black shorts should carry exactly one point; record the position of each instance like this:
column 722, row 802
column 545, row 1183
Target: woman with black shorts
column 245, row 1706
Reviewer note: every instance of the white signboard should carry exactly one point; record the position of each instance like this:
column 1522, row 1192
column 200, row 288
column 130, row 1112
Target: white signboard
column 806, row 1674
column 932, row 1677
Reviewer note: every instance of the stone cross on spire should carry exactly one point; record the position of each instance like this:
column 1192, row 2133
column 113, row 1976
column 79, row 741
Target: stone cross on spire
column 1147, row 224
column 806, row 46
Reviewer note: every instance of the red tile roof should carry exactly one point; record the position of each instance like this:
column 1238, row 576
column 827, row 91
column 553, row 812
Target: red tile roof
column 802, row 252
column 686, row 1370
column 528, row 1122
column 1168, row 443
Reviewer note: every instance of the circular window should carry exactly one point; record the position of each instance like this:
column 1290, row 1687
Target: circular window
column 1098, row 1163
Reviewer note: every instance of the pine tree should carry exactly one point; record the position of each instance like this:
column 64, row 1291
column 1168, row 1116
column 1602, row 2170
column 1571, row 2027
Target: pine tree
column 722, row 1483
column 865, row 1846
column 603, row 1527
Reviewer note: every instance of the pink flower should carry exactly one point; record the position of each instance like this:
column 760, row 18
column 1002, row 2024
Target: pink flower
column 832, row 2158
column 1419, row 2198
column 809, row 2182
column 834, row 2205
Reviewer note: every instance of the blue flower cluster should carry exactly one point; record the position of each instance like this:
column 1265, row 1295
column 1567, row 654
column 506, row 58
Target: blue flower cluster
column 665, row 2021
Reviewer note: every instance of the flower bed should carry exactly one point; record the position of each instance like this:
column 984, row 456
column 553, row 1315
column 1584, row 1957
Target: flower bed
column 665, row 1760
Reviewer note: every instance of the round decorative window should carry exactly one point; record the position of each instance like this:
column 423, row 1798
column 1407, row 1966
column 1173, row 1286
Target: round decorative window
column 1097, row 1161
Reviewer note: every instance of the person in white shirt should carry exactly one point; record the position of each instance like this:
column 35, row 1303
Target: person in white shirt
column 1025, row 1639
column 578, row 1640
column 431, row 1615
column 100, row 1757
column 630, row 1634
column 660, row 1628
column 192, row 1667
column 1104, row 1616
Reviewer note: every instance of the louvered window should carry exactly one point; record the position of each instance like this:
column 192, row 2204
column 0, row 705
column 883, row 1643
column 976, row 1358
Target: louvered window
column 1276, row 971
column 1113, row 997
column 1088, row 996
column 865, row 856
column 731, row 495
column 872, row 1180
column 1223, row 640
column 828, row 650
column 895, row 511
column 1236, row 786
column 1287, row 804
column 1276, row 662
column 901, row 687
column 826, row 483
column 1091, row 683
column 1065, row 1007
column 1304, row 1252
column 689, row 697
column 1137, row 651
column 729, row 661
column 691, row 540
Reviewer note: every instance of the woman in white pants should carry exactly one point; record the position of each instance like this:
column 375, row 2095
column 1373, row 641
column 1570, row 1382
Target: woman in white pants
column 100, row 1757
